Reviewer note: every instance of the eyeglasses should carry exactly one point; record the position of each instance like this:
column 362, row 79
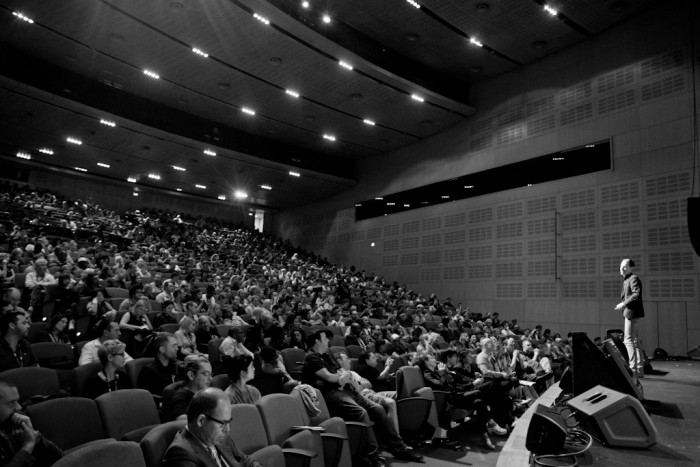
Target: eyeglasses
column 224, row 423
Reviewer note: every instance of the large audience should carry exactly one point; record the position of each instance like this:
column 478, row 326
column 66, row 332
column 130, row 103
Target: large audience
column 187, row 279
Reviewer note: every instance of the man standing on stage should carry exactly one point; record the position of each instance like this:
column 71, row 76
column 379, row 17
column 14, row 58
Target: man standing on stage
column 633, row 310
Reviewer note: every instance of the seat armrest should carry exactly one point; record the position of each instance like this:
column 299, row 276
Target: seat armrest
column 359, row 424
column 327, row 435
column 307, row 427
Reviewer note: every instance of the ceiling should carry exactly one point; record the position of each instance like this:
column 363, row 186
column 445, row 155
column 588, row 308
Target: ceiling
column 81, row 62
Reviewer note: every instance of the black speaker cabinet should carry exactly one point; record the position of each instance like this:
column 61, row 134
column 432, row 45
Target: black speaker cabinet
column 694, row 223
column 593, row 367
column 547, row 431
column 620, row 420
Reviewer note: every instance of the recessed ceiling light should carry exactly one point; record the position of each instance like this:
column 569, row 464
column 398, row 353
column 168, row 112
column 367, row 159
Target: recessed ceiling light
column 291, row 93
column 23, row 17
column 413, row 3
column 200, row 52
column 181, row 169
column 248, row 111
column 222, row 197
column 131, row 179
column 266, row 187
column 178, row 189
column 369, row 122
column 102, row 164
column 326, row 18
column 201, row 187
column 80, row 169
column 391, row 204
column 154, row 176
column 468, row 186
column 239, row 194
column 46, row 151
column 416, row 97
column 550, row 10
column 72, row 140
column 151, row 74
column 305, row 4
column 24, row 155
column 407, row 205
column 135, row 194
column 261, row 18
column 557, row 158
column 345, row 65
column 379, row 198
column 108, row 122
column 209, row 152
column 294, row 174
column 476, row 42
column 329, row 137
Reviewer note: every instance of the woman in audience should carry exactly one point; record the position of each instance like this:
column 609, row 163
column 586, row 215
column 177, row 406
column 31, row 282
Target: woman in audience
column 298, row 340
column 56, row 331
column 135, row 328
column 111, row 377
column 186, row 339
column 240, row 371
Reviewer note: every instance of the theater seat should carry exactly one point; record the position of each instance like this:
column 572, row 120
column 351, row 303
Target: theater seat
column 284, row 425
column 248, row 432
column 293, row 360
column 81, row 375
column 127, row 413
column 353, row 433
column 104, row 453
column 67, row 421
column 156, row 441
column 133, row 369
column 32, row 381
column 54, row 355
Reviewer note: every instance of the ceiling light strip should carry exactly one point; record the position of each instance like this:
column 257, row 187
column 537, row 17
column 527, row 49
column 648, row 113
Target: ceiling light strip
column 257, row 78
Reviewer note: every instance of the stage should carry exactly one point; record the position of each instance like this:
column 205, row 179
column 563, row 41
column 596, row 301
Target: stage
column 672, row 399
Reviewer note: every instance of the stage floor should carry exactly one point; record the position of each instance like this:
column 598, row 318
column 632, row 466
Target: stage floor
column 672, row 394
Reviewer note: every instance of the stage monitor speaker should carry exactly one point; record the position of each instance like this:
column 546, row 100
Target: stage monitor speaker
column 694, row 223
column 591, row 367
column 618, row 418
column 547, row 431
column 694, row 353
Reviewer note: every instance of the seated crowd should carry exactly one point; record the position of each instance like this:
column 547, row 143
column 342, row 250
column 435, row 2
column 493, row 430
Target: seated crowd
column 194, row 282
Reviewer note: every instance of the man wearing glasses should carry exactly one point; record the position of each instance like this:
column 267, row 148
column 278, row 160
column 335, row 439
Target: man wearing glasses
column 205, row 442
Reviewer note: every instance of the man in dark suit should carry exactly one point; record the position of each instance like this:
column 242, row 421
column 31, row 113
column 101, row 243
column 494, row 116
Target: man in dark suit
column 204, row 442
column 633, row 310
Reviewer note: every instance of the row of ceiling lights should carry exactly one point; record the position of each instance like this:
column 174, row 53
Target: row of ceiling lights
column 238, row 194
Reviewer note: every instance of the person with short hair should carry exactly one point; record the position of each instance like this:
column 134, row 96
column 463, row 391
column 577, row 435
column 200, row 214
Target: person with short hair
column 112, row 376
column 162, row 372
column 196, row 370
column 106, row 330
column 15, row 350
column 205, row 442
column 20, row 444
column 632, row 310
column 321, row 371
column 186, row 338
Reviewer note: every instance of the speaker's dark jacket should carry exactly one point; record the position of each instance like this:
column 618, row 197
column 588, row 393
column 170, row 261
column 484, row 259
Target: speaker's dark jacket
column 631, row 296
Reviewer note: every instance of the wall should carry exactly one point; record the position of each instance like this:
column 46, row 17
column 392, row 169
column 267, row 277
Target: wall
column 549, row 253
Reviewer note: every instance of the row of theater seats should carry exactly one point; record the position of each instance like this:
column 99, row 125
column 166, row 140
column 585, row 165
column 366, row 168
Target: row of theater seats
column 276, row 431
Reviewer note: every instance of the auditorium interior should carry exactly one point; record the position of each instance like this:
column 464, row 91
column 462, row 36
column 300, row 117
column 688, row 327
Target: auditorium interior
column 419, row 179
